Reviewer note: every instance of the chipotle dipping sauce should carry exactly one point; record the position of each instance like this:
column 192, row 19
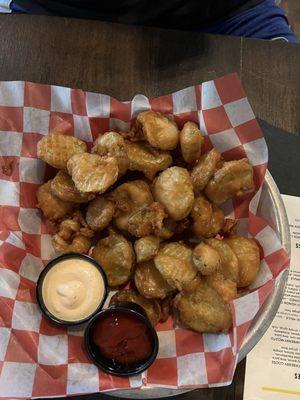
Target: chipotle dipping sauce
column 123, row 338
column 73, row 289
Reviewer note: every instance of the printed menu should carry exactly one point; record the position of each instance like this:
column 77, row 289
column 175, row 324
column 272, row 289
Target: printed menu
column 273, row 366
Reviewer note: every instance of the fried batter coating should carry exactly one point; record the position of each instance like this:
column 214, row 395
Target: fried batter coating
column 224, row 278
column 158, row 130
column 247, row 252
column 229, row 227
column 194, row 283
column 206, row 259
column 165, row 306
column 235, row 178
column 146, row 159
column 146, row 248
column 174, row 262
column 115, row 254
column 93, row 173
column 56, row 149
column 208, row 218
column 73, row 236
column 203, row 310
column 205, row 169
column 129, row 198
column 168, row 229
column 112, row 144
column 99, row 213
column 151, row 307
column 149, row 281
column 191, row 142
column 225, row 287
column 174, row 190
column 52, row 207
column 64, row 188
column 229, row 261
column 147, row 220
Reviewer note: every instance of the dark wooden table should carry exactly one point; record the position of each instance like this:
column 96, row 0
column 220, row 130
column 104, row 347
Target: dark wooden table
column 121, row 61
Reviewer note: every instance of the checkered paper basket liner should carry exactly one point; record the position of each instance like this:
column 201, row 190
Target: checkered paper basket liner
column 39, row 359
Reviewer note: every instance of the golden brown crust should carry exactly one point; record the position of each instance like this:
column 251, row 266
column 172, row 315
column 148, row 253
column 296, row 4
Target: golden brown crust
column 56, row 149
column 112, row 144
column 129, row 198
column 247, row 253
column 115, row 254
column 158, row 130
column 73, row 236
column 146, row 248
column 149, row 281
column 144, row 158
column 93, row 173
column 203, row 310
column 52, row 207
column 99, row 213
column 235, row 178
column 206, row 259
column 204, row 170
column 64, row 188
column 208, row 218
column 173, row 189
column 174, row 262
column 150, row 306
column 191, row 142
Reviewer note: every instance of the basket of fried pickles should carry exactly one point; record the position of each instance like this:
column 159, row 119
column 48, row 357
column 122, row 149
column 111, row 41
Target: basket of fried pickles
column 147, row 205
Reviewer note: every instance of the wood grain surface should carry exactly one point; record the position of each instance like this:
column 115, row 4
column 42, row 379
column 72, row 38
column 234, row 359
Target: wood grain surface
column 122, row 60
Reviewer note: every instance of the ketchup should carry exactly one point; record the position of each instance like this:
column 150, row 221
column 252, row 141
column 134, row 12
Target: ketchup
column 123, row 338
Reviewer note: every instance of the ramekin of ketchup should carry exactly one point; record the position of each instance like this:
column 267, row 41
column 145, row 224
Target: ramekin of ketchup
column 121, row 340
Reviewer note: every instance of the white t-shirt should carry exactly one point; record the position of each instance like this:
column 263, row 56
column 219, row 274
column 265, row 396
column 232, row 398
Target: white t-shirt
column 5, row 6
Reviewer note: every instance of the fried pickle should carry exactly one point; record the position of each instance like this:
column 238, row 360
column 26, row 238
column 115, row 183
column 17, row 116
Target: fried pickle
column 247, row 253
column 112, row 144
column 146, row 159
column 56, row 149
column 206, row 259
column 115, row 254
column 224, row 281
column 52, row 207
column 158, row 130
column 234, row 178
column 93, row 173
column 174, row 262
column 174, row 190
column 74, row 236
column 99, row 213
column 203, row 310
column 64, row 188
column 225, row 287
column 149, row 281
column 194, row 283
column 168, row 229
column 229, row 261
column 191, row 142
column 146, row 248
column 150, row 306
column 128, row 199
column 147, row 220
column 208, row 218
column 205, row 169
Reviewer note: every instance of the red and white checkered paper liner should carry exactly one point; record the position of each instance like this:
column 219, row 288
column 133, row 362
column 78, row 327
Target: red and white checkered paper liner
column 38, row 359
